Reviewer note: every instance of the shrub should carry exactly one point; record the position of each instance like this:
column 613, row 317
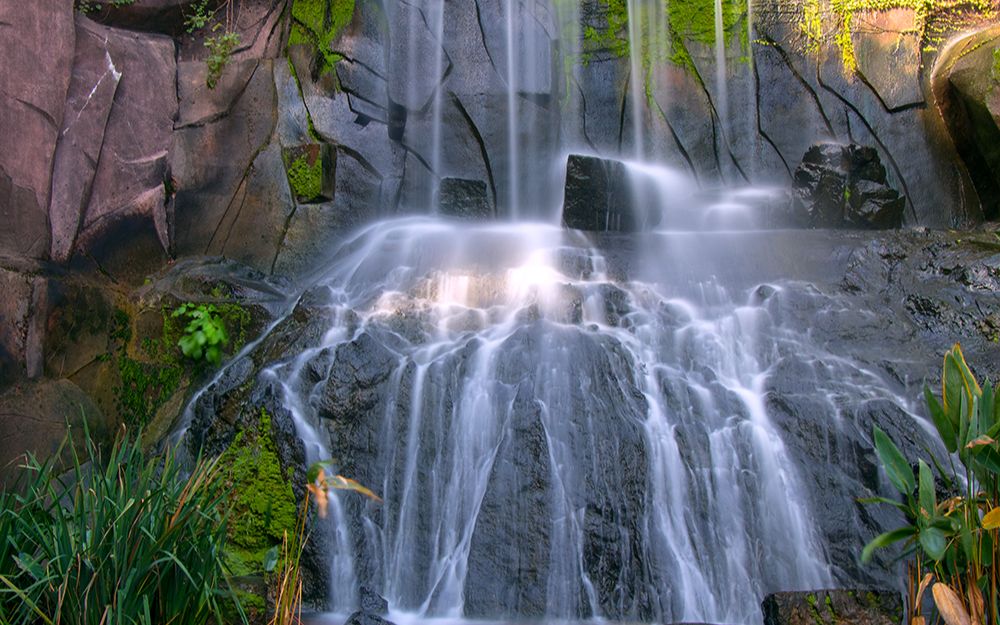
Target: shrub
column 952, row 539
column 119, row 539
column 205, row 333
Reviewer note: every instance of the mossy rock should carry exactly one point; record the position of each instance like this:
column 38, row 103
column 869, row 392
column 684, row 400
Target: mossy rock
column 311, row 171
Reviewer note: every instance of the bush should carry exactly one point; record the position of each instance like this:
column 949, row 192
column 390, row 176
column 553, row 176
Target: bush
column 119, row 539
column 951, row 539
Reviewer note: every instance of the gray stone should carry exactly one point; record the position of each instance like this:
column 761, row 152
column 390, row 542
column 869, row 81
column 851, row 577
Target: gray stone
column 211, row 159
column 466, row 199
column 36, row 43
column 833, row 607
column 372, row 602
column 252, row 228
column 413, row 51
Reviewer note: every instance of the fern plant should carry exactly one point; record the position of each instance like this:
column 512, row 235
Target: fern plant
column 205, row 333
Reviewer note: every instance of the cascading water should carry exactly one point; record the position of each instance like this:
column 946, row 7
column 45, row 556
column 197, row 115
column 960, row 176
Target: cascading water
column 721, row 90
column 560, row 428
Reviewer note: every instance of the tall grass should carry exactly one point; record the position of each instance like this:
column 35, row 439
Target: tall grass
column 118, row 539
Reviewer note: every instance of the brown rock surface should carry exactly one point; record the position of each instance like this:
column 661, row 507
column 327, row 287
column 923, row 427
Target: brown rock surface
column 134, row 164
column 36, row 45
column 833, row 607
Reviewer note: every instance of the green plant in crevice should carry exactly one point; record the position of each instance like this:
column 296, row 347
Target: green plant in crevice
column 122, row 538
column 89, row 6
column 197, row 16
column 951, row 540
column 995, row 70
column 221, row 44
column 204, row 333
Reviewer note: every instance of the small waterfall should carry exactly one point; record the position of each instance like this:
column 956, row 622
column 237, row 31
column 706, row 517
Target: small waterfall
column 436, row 18
column 721, row 90
column 637, row 76
column 514, row 188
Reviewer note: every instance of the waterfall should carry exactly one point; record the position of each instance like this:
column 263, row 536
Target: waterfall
column 436, row 18
column 514, row 178
column 721, row 90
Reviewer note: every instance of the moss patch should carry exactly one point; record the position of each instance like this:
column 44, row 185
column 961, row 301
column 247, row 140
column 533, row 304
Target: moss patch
column 142, row 386
column 317, row 23
column 306, row 180
column 262, row 504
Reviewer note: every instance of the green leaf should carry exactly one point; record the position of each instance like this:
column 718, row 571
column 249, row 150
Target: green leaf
column 886, row 539
column 934, row 542
column 943, row 424
column 271, row 559
column 896, row 467
column 884, row 500
column 926, row 498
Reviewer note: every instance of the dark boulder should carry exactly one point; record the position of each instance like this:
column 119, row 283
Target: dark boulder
column 833, row 607
column 373, row 603
column 366, row 618
column 844, row 186
column 466, row 199
column 599, row 197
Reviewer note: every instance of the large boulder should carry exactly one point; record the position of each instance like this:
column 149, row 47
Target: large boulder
column 967, row 88
column 844, row 186
column 599, row 197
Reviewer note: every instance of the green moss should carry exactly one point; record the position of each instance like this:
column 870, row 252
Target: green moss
column 996, row 65
column 262, row 504
column 306, row 180
column 142, row 387
column 614, row 37
column 317, row 23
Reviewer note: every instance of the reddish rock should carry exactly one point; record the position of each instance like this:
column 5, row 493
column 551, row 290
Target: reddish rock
column 36, row 45
column 22, row 319
column 134, row 164
column 91, row 95
column 888, row 54
column 34, row 417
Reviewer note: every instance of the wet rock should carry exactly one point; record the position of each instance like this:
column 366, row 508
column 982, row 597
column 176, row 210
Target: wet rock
column 598, row 197
column 888, row 56
column 362, row 617
column 833, row 607
column 844, row 186
column 465, row 199
column 353, row 386
column 372, row 602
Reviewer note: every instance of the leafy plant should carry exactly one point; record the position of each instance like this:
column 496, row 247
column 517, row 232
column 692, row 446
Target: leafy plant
column 953, row 540
column 205, row 332
column 220, row 48
column 198, row 16
column 120, row 539
column 89, row 6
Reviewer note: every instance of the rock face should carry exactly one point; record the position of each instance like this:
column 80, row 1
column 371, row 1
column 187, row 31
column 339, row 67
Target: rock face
column 833, row 607
column 966, row 88
column 465, row 199
column 838, row 186
column 599, row 197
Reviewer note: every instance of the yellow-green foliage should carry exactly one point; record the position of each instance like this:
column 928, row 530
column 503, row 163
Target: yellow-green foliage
column 317, row 23
column 261, row 504
column 933, row 20
column 306, row 180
